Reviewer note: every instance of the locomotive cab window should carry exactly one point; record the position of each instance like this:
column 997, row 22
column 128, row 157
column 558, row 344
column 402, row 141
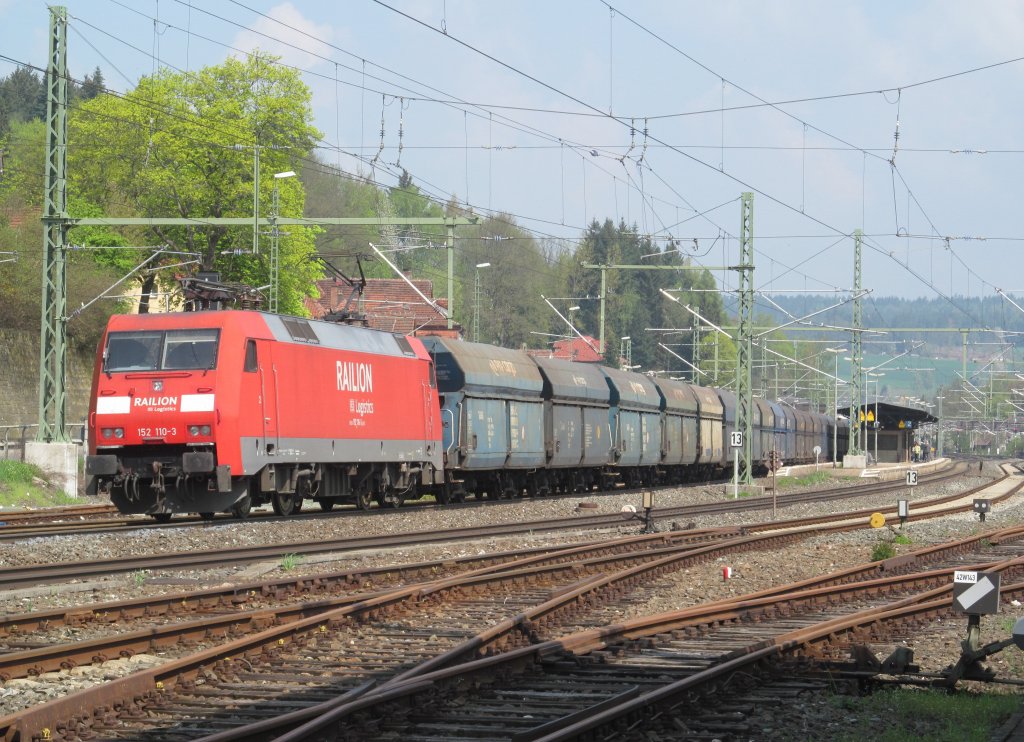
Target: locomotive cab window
column 132, row 351
column 190, row 349
column 159, row 350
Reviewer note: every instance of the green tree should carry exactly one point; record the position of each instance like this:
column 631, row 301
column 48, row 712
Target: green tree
column 24, row 158
column 92, row 85
column 717, row 359
column 519, row 272
column 184, row 145
column 22, row 98
column 633, row 300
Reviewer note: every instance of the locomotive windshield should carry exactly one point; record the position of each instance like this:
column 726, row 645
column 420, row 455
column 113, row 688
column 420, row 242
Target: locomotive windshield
column 161, row 350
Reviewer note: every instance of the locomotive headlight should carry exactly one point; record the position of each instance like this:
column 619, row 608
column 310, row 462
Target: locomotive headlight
column 119, row 432
column 107, row 432
column 193, row 430
column 205, row 430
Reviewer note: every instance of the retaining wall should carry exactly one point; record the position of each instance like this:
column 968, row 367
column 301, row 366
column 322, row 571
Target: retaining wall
column 19, row 380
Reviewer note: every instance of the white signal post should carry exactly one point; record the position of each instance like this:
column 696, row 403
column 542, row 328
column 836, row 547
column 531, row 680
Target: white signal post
column 736, row 443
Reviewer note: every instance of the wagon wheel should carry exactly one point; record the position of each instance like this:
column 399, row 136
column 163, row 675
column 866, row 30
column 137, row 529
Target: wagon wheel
column 207, row 516
column 363, row 498
column 162, row 517
column 241, row 508
column 284, row 503
column 326, row 505
column 443, row 494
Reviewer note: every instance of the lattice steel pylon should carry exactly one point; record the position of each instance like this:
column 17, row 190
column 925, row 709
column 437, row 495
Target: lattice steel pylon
column 856, row 372
column 744, row 340
column 53, row 332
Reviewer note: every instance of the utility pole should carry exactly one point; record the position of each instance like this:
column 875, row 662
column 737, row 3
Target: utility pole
column 450, row 246
column 744, row 391
column 275, row 243
column 62, row 459
column 855, row 448
column 53, row 337
column 51, row 450
column 696, row 350
column 476, row 302
column 963, row 351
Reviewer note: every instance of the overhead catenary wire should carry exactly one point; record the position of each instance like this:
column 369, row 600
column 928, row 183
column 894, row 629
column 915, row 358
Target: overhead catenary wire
column 760, row 237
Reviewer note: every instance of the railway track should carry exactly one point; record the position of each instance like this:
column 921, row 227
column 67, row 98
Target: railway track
column 96, row 518
column 34, row 646
column 26, row 575
column 702, row 673
column 226, row 684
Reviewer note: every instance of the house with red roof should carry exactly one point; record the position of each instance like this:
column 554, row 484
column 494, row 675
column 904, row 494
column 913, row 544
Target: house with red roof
column 389, row 304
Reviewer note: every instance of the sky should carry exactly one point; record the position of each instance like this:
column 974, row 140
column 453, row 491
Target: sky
column 658, row 113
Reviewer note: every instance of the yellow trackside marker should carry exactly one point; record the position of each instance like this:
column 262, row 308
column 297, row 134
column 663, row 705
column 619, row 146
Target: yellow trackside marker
column 877, row 520
column 159, row 685
column 280, row 642
column 323, row 629
column 46, row 733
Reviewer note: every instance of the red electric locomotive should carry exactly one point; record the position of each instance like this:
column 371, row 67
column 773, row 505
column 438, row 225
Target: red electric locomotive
column 215, row 411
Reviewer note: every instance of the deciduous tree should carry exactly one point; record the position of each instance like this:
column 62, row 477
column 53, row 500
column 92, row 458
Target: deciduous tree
column 184, row 145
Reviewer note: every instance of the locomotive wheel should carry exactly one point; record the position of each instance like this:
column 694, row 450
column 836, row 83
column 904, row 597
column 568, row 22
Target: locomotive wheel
column 241, row 509
column 283, row 503
column 363, row 499
column 326, row 505
column 162, row 517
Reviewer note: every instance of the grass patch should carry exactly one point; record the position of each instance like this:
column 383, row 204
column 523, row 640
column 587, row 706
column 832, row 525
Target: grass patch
column 808, row 480
column 139, row 577
column 913, row 715
column 290, row 561
column 902, row 539
column 25, row 486
column 882, row 551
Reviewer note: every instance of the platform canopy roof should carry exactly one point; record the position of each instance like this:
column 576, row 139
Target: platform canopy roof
column 893, row 416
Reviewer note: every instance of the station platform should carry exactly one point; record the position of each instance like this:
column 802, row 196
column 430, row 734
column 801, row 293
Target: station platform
column 882, row 472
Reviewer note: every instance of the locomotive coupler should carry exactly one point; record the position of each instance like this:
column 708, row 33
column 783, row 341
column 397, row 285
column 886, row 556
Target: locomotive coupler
column 158, row 478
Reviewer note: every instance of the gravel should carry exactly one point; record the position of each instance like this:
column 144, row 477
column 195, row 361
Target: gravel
column 751, row 571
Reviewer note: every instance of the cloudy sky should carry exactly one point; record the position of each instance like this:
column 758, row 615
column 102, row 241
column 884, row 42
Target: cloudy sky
column 657, row 113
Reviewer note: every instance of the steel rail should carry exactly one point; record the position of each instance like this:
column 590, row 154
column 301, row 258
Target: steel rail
column 28, row 575
column 17, row 530
column 935, row 595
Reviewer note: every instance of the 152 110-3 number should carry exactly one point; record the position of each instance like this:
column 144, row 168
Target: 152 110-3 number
column 157, row 432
